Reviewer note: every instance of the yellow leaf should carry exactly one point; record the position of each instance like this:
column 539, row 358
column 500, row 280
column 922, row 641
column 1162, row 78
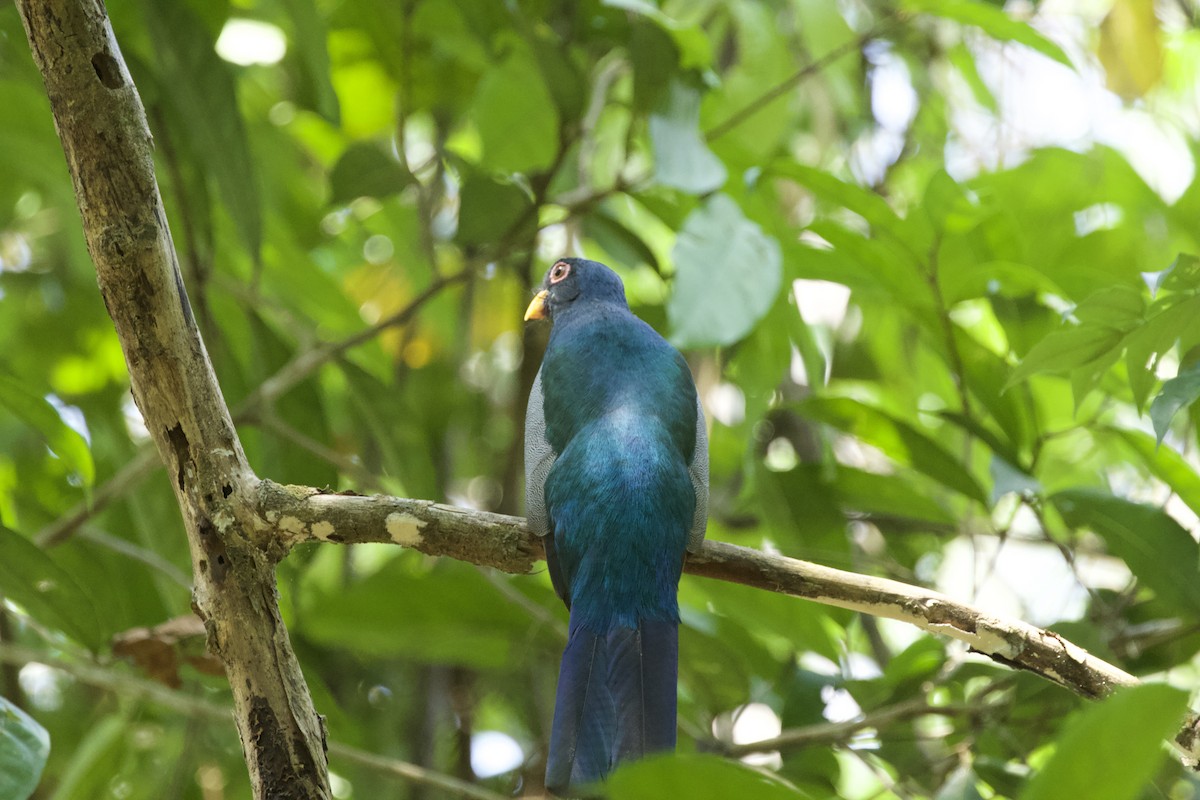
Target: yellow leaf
column 1131, row 48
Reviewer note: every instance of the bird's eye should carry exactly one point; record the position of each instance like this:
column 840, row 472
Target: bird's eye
column 559, row 271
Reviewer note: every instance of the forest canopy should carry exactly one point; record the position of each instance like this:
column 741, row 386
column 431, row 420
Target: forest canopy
column 935, row 266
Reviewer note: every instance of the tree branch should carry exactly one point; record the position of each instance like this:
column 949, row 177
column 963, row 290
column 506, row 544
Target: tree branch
column 102, row 125
column 298, row 514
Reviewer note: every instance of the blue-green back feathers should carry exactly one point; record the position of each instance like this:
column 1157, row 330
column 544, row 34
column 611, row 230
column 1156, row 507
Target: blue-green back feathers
column 617, row 483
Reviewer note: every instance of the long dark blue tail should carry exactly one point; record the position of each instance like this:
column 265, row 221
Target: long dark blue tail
column 616, row 702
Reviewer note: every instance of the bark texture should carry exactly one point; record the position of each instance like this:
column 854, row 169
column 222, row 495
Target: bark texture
column 102, row 126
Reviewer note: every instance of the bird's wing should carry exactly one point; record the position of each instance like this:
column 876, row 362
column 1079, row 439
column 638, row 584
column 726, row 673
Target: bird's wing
column 539, row 458
column 698, row 470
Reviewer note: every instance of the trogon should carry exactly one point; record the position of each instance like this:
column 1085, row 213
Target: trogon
column 616, row 484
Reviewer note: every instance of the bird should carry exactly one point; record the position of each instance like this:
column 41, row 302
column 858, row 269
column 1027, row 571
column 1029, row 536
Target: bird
column 616, row 468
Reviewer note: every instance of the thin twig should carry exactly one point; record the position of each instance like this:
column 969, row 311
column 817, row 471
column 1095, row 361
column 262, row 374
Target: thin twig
column 825, row 733
column 146, row 461
column 808, row 70
column 413, row 773
column 147, row 557
column 137, row 469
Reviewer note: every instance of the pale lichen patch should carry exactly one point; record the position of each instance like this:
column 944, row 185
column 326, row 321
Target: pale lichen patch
column 405, row 529
column 272, row 516
column 223, row 520
column 291, row 525
column 322, row 530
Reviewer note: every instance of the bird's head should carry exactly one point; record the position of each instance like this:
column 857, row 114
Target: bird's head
column 573, row 282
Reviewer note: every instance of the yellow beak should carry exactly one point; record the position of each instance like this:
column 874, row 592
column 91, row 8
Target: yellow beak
column 537, row 306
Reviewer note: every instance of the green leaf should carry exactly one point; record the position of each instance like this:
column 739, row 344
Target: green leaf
column 964, row 61
column 90, row 771
column 623, row 245
column 1064, row 350
column 1182, row 276
column 51, row 596
column 1160, row 553
column 24, row 748
column 727, row 275
column 1163, row 462
column 696, row 777
column 308, row 33
column 1119, row 307
column 1007, row 478
column 203, row 97
column 1145, row 345
column 695, row 50
column 654, row 59
column 898, row 440
column 37, row 413
column 490, row 210
column 960, row 786
column 1177, row 393
column 682, row 159
column 365, row 170
column 1111, row 750
column 889, row 495
column 867, row 204
column 992, row 21
column 516, row 117
column 450, row 615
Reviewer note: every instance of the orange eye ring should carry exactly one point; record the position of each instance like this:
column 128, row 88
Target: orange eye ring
column 559, row 272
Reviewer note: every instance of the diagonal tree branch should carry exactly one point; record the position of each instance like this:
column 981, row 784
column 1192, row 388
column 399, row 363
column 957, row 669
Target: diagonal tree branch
column 102, row 126
column 300, row 513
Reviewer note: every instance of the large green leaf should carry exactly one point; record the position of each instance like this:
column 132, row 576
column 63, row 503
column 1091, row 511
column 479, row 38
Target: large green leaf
column 1157, row 549
column 203, row 97
column 682, row 159
column 991, row 20
column 308, row 30
column 1111, row 750
column 728, row 273
column 516, row 116
column 36, row 412
column 51, row 596
column 364, row 169
column 696, row 777
column 899, row 440
column 24, row 748
column 491, row 210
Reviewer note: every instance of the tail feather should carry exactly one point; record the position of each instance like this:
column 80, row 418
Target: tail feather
column 616, row 701
column 582, row 733
column 642, row 670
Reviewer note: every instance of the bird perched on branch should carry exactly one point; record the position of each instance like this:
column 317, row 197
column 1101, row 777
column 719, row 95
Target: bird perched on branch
column 616, row 484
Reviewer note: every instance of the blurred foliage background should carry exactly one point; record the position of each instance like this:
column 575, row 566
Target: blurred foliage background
column 930, row 263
